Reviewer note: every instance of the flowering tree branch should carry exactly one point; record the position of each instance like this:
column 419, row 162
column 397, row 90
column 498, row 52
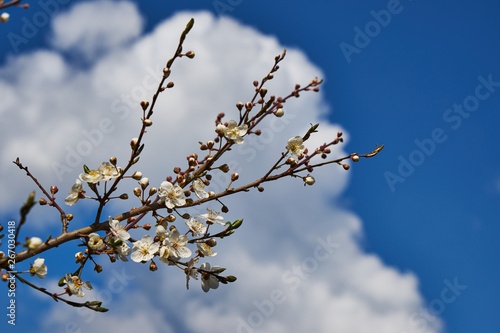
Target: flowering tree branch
column 174, row 197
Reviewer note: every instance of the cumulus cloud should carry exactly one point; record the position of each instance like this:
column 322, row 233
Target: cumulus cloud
column 298, row 264
column 92, row 28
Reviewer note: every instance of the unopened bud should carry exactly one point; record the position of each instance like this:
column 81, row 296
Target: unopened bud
column 235, row 176
column 144, row 105
column 170, row 218
column 4, row 18
column 144, row 183
column 355, row 158
column 147, row 226
column 2, row 255
column 211, row 242
column 260, row 188
column 148, row 122
column 42, row 202
column 69, row 217
column 79, row 258
column 34, row 242
column 346, row 166
column 190, row 54
column 137, row 192
column 153, row 267
column 211, row 193
column 263, row 92
column 112, row 160
column 152, row 191
column 98, row 268
column 5, row 276
column 54, row 190
column 279, row 113
column 239, row 105
column 339, row 134
column 224, row 209
column 258, row 132
column 309, row 180
column 166, row 71
column 255, row 83
column 137, row 175
column 133, row 142
column 224, row 168
column 124, row 196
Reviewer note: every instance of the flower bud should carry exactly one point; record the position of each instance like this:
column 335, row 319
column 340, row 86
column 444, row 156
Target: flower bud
column 4, row 18
column 166, row 71
column 144, row 183
column 170, row 218
column 211, row 193
column 2, row 255
column 133, row 142
column 235, row 176
column 239, row 105
column 79, row 258
column 263, row 92
column 339, row 134
column 137, row 175
column 346, row 166
column 260, row 188
column 355, row 158
column 137, row 192
column 147, row 226
column 148, row 122
column 153, row 267
column 152, row 191
column 144, row 105
column 190, row 54
column 230, row 278
column 34, row 242
column 279, row 113
column 211, row 242
column 54, row 190
column 5, row 276
column 124, row 196
column 98, row 268
column 258, row 132
column 69, row 217
column 42, row 202
column 170, row 85
column 224, row 168
column 248, row 106
column 112, row 160
column 255, row 83
column 224, row 209
column 309, row 180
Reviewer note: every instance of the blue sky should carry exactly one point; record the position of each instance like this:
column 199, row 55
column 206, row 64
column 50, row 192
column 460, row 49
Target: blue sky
column 399, row 89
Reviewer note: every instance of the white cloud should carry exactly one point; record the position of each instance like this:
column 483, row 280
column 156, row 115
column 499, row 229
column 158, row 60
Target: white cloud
column 60, row 117
column 92, row 28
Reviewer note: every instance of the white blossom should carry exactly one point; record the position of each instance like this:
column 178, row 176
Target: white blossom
column 233, row 132
column 144, row 249
column 198, row 228
column 172, row 195
column 208, row 280
column 199, row 189
column 118, row 230
column 74, row 193
column 212, row 216
column 206, row 250
column 92, row 177
column 108, row 171
column 295, row 146
column 75, row 285
column 95, row 242
column 39, row 269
